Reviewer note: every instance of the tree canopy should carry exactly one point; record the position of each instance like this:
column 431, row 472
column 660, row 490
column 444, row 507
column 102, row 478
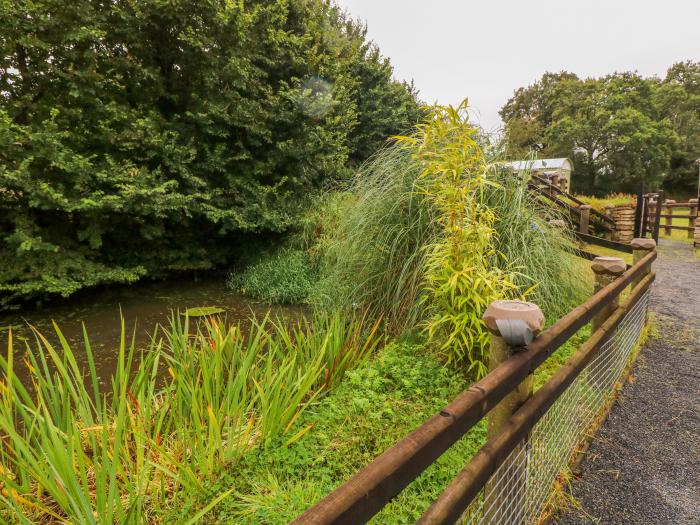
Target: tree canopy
column 138, row 137
column 621, row 130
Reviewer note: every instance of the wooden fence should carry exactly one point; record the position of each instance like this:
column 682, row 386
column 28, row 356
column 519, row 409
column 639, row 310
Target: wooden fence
column 684, row 211
column 369, row 490
column 587, row 219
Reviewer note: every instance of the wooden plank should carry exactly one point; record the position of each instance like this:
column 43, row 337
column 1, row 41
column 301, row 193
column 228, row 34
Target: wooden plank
column 657, row 215
column 466, row 485
column 672, row 227
column 671, row 216
column 606, row 243
column 369, row 490
column 584, row 254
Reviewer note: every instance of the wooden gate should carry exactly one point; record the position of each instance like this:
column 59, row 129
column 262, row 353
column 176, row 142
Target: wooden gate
column 648, row 215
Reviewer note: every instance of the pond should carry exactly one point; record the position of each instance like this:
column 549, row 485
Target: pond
column 143, row 306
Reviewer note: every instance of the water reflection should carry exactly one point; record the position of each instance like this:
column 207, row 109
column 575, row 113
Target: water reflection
column 142, row 306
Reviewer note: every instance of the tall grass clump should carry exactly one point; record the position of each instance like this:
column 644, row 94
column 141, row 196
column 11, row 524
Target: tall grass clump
column 201, row 397
column 284, row 277
column 375, row 257
column 434, row 232
column 540, row 255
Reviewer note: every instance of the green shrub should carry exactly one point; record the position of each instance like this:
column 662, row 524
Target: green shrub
column 138, row 138
column 286, row 276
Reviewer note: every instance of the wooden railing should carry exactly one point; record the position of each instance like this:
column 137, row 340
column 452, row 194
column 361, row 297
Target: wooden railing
column 588, row 220
column 671, row 210
column 370, row 489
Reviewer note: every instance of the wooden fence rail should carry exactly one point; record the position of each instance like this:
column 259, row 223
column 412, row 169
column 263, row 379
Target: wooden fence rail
column 670, row 210
column 369, row 490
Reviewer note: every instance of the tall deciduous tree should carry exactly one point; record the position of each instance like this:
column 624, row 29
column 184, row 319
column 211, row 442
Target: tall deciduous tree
column 615, row 129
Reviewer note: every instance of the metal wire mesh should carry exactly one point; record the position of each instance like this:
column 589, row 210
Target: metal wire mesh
column 519, row 489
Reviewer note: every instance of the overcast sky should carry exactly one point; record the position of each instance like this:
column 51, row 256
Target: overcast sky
column 486, row 49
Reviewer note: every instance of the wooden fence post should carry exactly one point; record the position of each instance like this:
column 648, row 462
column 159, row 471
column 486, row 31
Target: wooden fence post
column 554, row 181
column 610, row 211
column 585, row 218
column 640, row 248
column 606, row 270
column 668, row 210
column 693, row 212
column 512, row 325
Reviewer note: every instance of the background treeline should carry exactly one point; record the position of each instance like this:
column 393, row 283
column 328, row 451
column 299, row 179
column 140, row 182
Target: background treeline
column 139, row 137
column 621, row 130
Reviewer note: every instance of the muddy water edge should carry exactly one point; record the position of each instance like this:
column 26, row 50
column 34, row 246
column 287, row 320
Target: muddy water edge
column 142, row 306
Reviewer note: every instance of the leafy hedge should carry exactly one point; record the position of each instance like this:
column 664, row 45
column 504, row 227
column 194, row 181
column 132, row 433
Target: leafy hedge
column 141, row 137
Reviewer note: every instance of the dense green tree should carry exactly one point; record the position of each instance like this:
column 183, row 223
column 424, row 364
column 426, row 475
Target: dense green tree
column 679, row 99
column 138, row 137
column 529, row 112
column 620, row 130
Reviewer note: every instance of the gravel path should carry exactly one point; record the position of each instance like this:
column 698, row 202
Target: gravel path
column 643, row 466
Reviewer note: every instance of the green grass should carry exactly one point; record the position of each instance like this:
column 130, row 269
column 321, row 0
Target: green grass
column 287, row 276
column 602, row 251
column 377, row 404
column 77, row 451
column 615, row 199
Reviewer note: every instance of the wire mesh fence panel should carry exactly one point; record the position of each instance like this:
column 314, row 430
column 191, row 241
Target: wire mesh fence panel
column 519, row 489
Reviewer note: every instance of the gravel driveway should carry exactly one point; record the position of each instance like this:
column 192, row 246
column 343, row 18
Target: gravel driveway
column 643, row 466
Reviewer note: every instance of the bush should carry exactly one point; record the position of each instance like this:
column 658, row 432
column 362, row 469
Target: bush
column 141, row 138
column 374, row 259
column 285, row 277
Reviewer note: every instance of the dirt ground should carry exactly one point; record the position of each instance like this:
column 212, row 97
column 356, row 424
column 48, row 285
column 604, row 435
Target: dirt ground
column 643, row 466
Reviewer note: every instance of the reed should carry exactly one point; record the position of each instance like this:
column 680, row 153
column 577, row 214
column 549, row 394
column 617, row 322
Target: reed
column 199, row 398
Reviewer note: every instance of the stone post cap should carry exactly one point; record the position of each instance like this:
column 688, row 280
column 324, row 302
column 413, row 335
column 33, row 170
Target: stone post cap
column 608, row 265
column 585, row 207
column 529, row 313
column 693, row 200
column 643, row 244
column 557, row 223
column 670, row 201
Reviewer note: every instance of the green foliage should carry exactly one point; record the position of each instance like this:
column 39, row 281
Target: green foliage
column 374, row 258
column 142, row 137
column 427, row 237
column 621, row 130
column 376, row 405
column 614, row 199
column 539, row 256
column 679, row 99
column 287, row 276
column 78, row 451
column 462, row 276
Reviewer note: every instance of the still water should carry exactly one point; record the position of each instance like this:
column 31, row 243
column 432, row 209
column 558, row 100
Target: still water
column 142, row 306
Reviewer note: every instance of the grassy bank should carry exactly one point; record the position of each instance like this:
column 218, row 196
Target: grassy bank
column 172, row 419
column 377, row 405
